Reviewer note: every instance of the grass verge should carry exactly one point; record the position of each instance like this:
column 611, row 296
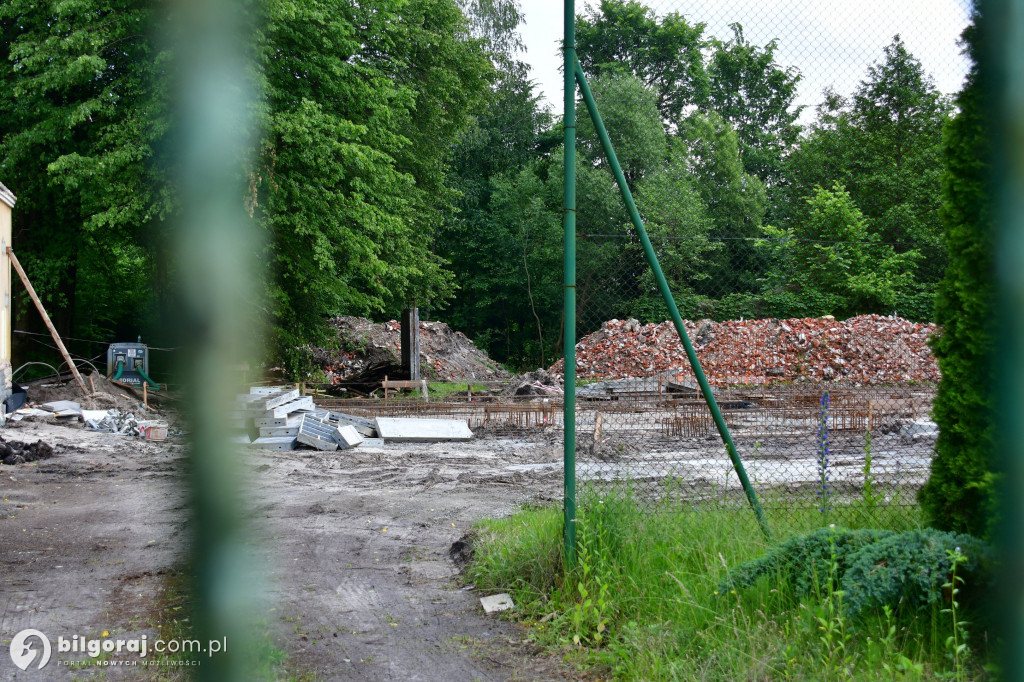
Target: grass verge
column 646, row 601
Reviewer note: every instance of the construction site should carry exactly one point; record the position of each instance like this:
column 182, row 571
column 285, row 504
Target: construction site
column 361, row 341
column 366, row 488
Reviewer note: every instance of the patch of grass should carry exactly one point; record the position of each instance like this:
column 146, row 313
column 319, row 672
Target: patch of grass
column 441, row 390
column 645, row 600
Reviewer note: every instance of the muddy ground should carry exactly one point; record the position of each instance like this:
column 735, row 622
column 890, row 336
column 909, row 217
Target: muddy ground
column 359, row 584
column 358, row 581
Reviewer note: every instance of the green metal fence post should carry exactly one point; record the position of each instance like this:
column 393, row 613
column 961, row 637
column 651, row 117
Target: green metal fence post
column 666, row 293
column 1002, row 69
column 569, row 257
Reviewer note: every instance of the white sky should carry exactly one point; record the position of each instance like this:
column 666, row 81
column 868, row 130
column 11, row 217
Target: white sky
column 832, row 42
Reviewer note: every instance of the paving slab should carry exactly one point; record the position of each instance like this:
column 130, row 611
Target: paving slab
column 496, row 603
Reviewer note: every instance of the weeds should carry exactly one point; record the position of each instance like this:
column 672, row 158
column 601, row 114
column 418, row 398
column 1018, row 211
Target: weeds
column 645, row 601
column 869, row 497
column 956, row 643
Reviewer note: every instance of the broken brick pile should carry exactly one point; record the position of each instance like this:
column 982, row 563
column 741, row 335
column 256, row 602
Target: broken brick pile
column 866, row 350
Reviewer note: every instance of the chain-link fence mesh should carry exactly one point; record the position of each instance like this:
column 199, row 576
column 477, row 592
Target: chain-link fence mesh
column 793, row 203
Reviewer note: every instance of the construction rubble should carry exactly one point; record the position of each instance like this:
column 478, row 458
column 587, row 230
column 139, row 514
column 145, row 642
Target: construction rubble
column 371, row 350
column 282, row 419
column 863, row 350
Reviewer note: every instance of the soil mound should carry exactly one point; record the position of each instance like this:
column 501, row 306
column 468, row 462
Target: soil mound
column 108, row 396
column 367, row 349
column 866, row 350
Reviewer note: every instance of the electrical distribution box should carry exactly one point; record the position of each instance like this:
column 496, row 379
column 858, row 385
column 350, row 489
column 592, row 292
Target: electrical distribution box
column 134, row 357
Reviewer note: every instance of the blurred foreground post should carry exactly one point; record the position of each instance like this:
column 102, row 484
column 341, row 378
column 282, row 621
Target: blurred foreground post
column 1003, row 72
column 216, row 250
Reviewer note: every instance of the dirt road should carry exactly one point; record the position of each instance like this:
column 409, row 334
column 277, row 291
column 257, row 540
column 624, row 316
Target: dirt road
column 359, row 582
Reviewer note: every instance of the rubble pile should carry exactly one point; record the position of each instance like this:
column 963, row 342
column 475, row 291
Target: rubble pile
column 445, row 354
column 539, row 382
column 865, row 350
column 15, row 452
column 121, row 423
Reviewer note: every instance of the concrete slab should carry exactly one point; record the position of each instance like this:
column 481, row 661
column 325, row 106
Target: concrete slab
column 62, row 406
column 266, row 390
column 316, row 434
column 284, row 443
column 305, row 403
column 400, row 430
column 347, row 437
column 363, row 425
column 287, row 420
column 280, row 399
column 279, row 431
column 496, row 603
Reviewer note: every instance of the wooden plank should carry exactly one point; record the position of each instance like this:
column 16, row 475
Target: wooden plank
column 46, row 318
column 399, row 430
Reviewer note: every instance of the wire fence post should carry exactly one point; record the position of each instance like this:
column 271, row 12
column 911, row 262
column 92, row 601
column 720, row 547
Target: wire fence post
column 569, row 315
column 666, row 293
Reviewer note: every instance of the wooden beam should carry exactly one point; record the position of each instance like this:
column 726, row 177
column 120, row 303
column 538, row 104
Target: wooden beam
column 46, row 318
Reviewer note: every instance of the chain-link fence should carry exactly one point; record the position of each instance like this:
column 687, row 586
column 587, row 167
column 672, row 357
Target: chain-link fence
column 785, row 158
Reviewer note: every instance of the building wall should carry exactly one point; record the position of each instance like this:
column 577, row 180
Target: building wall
column 6, row 205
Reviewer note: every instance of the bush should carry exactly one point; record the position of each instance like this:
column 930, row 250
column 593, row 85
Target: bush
column 874, row 568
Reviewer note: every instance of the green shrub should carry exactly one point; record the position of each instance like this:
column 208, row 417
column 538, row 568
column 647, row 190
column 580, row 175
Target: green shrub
column 960, row 493
column 873, row 568
column 802, row 561
column 910, row 569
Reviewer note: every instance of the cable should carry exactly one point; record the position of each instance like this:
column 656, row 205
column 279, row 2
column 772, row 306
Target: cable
column 66, row 338
column 44, row 364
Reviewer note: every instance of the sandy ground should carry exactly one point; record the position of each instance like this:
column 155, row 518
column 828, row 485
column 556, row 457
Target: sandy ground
column 89, row 539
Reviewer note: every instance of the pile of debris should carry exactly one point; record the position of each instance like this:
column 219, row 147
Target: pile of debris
column 864, row 350
column 106, row 395
column 15, row 452
column 369, row 351
column 539, row 382
column 285, row 420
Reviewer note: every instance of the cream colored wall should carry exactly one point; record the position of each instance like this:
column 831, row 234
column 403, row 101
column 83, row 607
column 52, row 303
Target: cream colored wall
column 5, row 287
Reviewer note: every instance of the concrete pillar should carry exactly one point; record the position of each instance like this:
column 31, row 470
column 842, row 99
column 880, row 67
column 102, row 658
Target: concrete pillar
column 411, row 343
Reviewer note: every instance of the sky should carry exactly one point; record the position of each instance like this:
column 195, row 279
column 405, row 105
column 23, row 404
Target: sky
column 831, row 42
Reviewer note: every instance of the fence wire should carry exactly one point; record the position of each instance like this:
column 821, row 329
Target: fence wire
column 793, row 203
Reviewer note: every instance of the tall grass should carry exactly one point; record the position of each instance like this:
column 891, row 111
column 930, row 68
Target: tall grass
column 644, row 602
